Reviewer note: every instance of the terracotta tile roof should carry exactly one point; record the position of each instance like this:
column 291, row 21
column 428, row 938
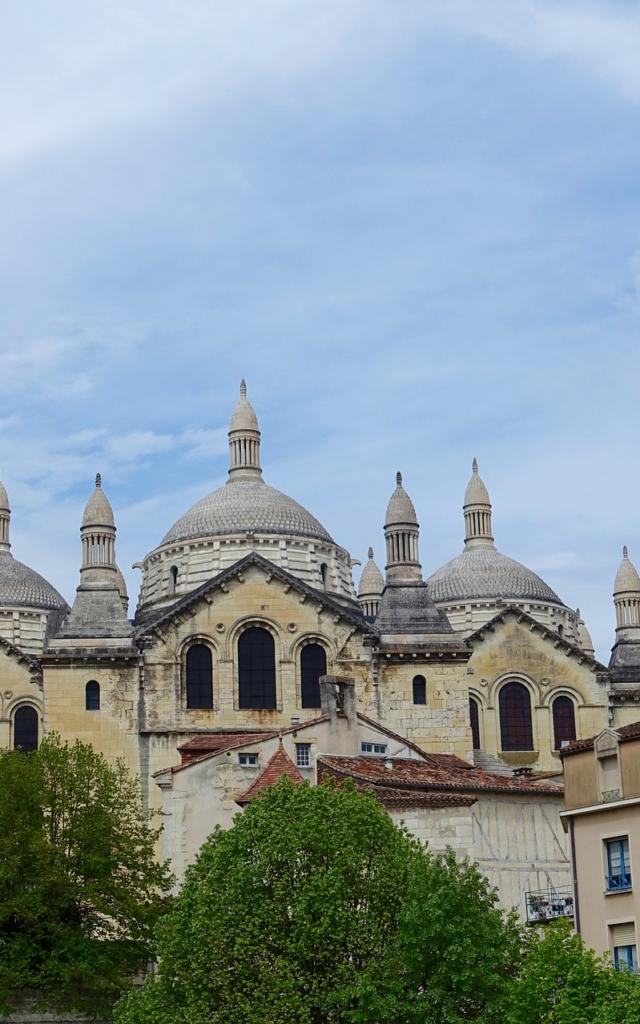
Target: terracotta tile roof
column 392, row 797
column 214, row 742
column 275, row 769
column 405, row 773
column 625, row 732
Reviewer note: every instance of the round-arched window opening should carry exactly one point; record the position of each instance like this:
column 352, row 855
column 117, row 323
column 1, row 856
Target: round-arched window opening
column 474, row 718
column 25, row 729
column 419, row 690
column 92, row 696
column 256, row 669
column 199, row 681
column 564, row 721
column 313, row 664
column 516, row 729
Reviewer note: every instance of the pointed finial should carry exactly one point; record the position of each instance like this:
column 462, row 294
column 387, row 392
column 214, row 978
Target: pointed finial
column 98, row 479
column 474, row 466
column 399, row 478
column 625, row 552
column 370, row 553
column 578, row 612
column 243, row 388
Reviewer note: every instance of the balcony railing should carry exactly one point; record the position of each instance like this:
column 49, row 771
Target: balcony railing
column 617, row 882
column 548, row 905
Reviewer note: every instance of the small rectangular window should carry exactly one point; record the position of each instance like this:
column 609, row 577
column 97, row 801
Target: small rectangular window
column 250, row 760
column 623, row 943
column 618, row 864
column 373, row 748
column 303, row 755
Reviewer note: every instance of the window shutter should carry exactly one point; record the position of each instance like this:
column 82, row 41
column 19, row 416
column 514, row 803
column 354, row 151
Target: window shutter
column 623, row 934
column 609, row 773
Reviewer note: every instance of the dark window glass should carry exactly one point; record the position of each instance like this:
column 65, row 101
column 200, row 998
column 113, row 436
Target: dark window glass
column 564, row 721
column 199, row 677
column 256, row 669
column 419, row 690
column 474, row 717
column 515, row 717
column 25, row 729
column 313, row 664
column 92, row 696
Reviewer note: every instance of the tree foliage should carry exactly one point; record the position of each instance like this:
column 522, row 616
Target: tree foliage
column 80, row 888
column 315, row 909
column 561, row 981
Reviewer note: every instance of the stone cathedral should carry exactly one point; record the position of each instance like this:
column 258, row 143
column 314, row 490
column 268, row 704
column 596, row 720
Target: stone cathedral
column 247, row 603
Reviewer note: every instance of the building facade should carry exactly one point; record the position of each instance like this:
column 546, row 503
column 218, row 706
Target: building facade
column 602, row 817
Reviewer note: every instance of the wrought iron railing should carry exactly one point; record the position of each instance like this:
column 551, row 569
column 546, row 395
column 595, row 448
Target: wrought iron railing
column 548, row 905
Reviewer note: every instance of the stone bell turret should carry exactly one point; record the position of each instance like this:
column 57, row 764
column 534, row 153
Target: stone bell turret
column 370, row 588
column 244, row 439
column 477, row 511
column 402, row 533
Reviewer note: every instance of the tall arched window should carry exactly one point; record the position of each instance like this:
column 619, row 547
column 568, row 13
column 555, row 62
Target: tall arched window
column 313, row 664
column 516, row 731
column 419, row 690
column 256, row 669
column 173, row 579
column 564, row 721
column 25, row 729
column 92, row 696
column 474, row 718
column 323, row 574
column 199, row 677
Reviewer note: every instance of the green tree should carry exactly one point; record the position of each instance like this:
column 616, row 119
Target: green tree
column 80, row 887
column 561, row 981
column 315, row 909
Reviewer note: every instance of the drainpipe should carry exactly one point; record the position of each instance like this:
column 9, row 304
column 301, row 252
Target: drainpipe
column 574, row 872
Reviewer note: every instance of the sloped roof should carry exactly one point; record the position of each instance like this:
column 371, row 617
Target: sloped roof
column 546, row 631
column 279, row 766
column 433, row 774
column 215, row 742
column 624, row 732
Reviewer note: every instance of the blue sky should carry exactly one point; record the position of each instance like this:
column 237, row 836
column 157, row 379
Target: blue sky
column 414, row 227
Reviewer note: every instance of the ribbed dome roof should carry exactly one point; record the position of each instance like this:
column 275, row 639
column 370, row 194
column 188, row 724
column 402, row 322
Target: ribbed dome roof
column 243, row 505
column 627, row 578
column 483, row 572
column 23, row 587
column 400, row 508
column 98, row 511
column 371, row 580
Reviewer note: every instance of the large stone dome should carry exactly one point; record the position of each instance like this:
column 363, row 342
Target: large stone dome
column 22, row 587
column 484, row 573
column 246, row 505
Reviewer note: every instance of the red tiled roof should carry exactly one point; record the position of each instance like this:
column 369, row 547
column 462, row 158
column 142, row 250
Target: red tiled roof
column 214, row 742
column 275, row 769
column 625, row 732
column 392, row 797
column 405, row 773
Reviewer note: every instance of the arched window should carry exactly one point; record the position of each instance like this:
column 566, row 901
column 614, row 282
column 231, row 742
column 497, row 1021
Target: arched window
column 474, row 718
column 173, row 579
column 256, row 669
column 25, row 729
column 516, row 731
column 564, row 721
column 419, row 690
column 199, row 677
column 313, row 664
column 92, row 696
column 323, row 574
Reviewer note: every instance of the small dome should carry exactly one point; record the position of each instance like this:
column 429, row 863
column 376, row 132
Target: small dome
column 244, row 416
column 122, row 585
column 584, row 636
column 371, row 580
column 4, row 499
column 246, row 505
column 400, row 508
column 476, row 492
column 484, row 572
column 22, row 587
column 98, row 511
column 627, row 578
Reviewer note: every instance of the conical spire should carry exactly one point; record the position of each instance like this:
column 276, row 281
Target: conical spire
column 244, row 439
column 626, row 597
column 477, row 511
column 5, row 519
column 401, row 534
column 370, row 588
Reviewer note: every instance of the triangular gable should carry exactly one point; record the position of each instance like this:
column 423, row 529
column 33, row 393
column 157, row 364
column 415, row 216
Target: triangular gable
column 558, row 641
column 279, row 766
column 254, row 559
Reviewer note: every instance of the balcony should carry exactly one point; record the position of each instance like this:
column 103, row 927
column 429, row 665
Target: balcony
column 548, row 905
